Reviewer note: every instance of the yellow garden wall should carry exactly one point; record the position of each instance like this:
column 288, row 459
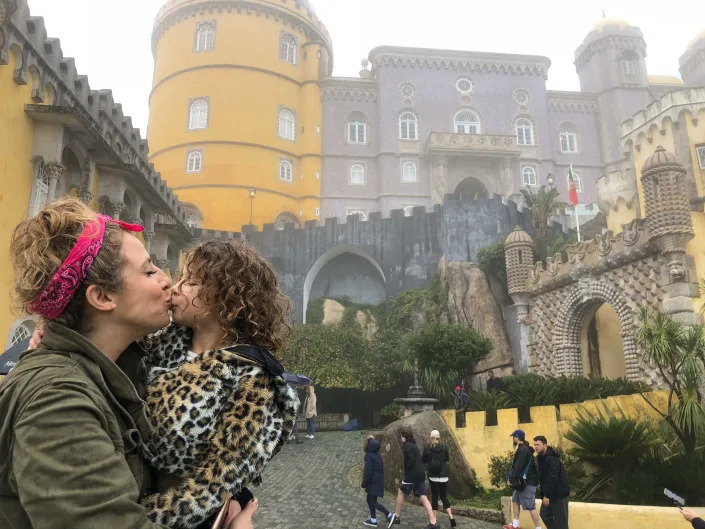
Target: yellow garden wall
column 479, row 442
column 601, row 515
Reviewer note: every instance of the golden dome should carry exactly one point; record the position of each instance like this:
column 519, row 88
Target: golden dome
column 700, row 36
column 602, row 24
column 665, row 80
column 518, row 236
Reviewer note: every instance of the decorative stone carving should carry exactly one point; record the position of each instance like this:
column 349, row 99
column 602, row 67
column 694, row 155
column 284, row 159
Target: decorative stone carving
column 54, row 171
column 85, row 195
column 148, row 236
column 553, row 264
column 604, row 243
column 519, row 255
column 116, row 209
column 535, row 273
column 440, row 179
column 163, row 264
column 630, row 233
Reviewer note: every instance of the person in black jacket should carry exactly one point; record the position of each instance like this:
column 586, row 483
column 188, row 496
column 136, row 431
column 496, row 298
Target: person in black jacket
column 698, row 523
column 555, row 488
column 373, row 481
column 436, row 457
column 523, row 477
column 414, row 480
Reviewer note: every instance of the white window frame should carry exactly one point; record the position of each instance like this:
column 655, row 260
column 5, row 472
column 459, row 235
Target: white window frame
column 466, row 126
column 524, row 128
column 288, row 47
column 198, row 116
column 408, row 126
column 530, row 172
column 404, row 165
column 361, row 212
column 577, row 180
column 205, row 36
column 700, row 154
column 287, row 124
column 19, row 331
column 628, row 67
column 408, row 209
column 194, row 161
column 40, row 190
column 360, row 171
column 357, row 132
column 568, row 138
column 286, row 171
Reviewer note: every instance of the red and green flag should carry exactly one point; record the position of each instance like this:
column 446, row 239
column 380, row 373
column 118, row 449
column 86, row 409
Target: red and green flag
column 572, row 192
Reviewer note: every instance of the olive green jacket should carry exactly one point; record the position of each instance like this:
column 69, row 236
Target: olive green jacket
column 71, row 450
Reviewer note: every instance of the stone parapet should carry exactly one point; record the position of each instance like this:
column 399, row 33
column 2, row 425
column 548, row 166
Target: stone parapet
column 615, row 187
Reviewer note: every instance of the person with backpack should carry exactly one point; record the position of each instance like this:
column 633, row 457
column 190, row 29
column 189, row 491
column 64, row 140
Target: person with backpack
column 555, row 488
column 523, row 477
column 435, row 456
column 373, row 481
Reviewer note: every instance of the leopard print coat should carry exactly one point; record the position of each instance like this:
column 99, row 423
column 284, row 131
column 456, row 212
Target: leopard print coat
column 217, row 421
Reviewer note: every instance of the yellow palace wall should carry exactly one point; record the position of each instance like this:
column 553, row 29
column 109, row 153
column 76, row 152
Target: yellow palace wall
column 246, row 84
column 16, row 138
column 479, row 442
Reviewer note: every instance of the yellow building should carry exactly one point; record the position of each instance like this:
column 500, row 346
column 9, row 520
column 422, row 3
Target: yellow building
column 57, row 138
column 235, row 109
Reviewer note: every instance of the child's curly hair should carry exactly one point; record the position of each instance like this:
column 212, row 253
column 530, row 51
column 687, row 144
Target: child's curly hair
column 241, row 288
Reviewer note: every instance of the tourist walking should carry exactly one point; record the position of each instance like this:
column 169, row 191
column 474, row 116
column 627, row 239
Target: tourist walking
column 414, row 480
column 436, row 457
column 555, row 488
column 698, row 523
column 523, row 477
column 373, row 481
column 310, row 412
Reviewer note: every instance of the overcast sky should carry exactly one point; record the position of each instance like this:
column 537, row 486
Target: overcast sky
column 110, row 39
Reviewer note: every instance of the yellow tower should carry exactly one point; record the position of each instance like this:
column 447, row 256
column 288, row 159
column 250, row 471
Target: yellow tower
column 235, row 108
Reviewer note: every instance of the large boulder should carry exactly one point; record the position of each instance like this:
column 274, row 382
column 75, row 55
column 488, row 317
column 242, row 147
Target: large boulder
column 471, row 302
column 462, row 480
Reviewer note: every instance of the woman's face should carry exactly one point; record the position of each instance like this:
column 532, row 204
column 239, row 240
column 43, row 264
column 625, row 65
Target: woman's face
column 187, row 308
column 144, row 300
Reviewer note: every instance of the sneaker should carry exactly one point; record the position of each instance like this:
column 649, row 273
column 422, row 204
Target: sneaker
column 312, row 437
column 452, row 522
column 391, row 519
column 433, row 526
column 370, row 523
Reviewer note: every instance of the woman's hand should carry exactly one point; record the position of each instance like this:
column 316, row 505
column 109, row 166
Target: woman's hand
column 36, row 337
column 688, row 514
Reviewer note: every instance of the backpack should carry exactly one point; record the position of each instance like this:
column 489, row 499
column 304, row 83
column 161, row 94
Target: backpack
column 519, row 483
column 435, row 463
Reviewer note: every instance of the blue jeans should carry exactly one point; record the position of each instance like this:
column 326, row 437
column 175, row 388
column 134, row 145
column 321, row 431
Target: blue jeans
column 311, row 426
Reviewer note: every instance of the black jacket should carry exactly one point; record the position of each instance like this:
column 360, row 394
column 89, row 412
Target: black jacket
column 413, row 464
column 554, row 481
column 373, row 474
column 441, row 451
column 495, row 384
column 698, row 523
column 522, row 457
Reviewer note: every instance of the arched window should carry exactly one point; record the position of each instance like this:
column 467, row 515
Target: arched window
column 205, row 36
column 194, row 162
column 287, row 48
column 528, row 176
column 408, row 126
column 287, row 124
column 40, row 189
column 409, row 172
column 569, row 138
column 525, row 131
column 357, row 128
column 357, row 174
column 198, row 114
column 285, row 218
column 286, row 171
column 467, row 122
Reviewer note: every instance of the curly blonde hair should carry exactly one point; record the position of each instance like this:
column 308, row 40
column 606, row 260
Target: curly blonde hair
column 40, row 244
column 240, row 287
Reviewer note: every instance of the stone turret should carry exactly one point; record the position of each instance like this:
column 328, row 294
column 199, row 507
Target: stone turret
column 692, row 62
column 670, row 226
column 519, row 256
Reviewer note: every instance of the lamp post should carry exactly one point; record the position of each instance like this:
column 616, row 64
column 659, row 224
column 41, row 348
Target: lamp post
column 252, row 191
column 549, row 179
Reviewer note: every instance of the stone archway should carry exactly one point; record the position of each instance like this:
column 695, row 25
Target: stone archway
column 582, row 301
column 471, row 188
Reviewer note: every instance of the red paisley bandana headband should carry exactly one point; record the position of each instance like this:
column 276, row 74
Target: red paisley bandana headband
column 52, row 301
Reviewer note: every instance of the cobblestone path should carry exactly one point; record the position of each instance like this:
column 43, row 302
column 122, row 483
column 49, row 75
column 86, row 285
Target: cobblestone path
column 307, row 486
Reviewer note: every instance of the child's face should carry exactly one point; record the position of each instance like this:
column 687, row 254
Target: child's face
column 187, row 308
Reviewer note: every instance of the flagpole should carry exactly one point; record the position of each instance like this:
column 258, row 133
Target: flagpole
column 575, row 207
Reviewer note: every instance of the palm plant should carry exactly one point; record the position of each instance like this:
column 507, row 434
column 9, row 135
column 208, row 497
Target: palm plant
column 543, row 203
column 678, row 352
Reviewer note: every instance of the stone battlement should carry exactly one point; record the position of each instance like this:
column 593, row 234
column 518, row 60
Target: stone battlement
column 670, row 106
column 40, row 62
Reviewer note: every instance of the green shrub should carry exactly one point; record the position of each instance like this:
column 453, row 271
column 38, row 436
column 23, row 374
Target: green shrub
column 314, row 312
column 498, row 468
column 489, row 402
column 392, row 411
column 492, row 260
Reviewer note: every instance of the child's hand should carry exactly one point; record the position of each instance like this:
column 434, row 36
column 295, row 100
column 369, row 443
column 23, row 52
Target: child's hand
column 36, row 337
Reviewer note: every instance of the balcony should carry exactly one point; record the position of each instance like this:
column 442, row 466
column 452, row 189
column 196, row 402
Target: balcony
column 478, row 144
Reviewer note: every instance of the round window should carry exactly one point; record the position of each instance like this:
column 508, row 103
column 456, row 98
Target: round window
column 521, row 97
column 464, row 85
column 407, row 90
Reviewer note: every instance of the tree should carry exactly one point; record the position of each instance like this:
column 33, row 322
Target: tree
column 543, row 204
column 445, row 352
column 678, row 352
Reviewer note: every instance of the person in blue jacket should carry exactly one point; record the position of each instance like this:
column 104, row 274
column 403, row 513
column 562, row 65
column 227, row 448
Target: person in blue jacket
column 373, row 481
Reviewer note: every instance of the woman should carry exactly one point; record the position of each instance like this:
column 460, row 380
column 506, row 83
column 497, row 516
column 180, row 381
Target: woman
column 216, row 399
column 310, row 412
column 71, row 450
column 435, row 456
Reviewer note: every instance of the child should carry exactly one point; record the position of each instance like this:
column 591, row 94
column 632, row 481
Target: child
column 373, row 481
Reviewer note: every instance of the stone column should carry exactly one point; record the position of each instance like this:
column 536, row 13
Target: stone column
column 116, row 209
column 85, row 195
column 439, row 179
column 148, row 238
column 54, row 172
